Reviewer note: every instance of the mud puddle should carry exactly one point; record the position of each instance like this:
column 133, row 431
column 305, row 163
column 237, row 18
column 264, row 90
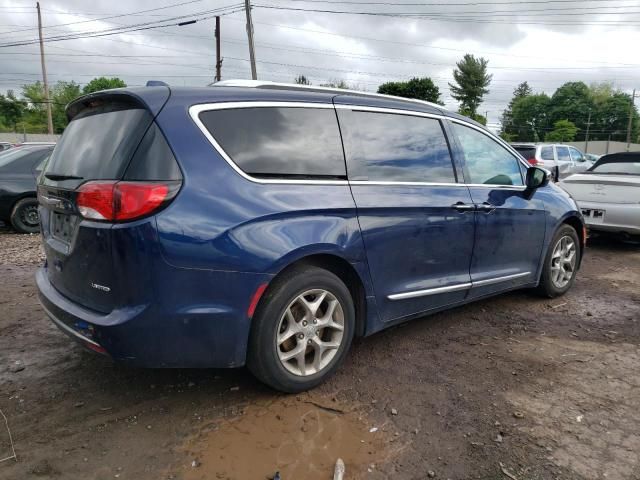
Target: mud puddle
column 299, row 438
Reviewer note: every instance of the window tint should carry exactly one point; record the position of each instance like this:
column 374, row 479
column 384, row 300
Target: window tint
column 279, row 141
column 487, row 161
column 546, row 153
column 563, row 154
column 99, row 142
column 153, row 159
column 526, row 152
column 576, row 155
column 391, row 147
column 22, row 160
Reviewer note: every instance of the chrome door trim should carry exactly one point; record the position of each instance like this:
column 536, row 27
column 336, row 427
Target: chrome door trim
column 455, row 288
column 429, row 291
column 196, row 110
column 506, row 278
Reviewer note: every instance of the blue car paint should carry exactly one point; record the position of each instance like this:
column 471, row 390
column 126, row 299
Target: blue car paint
column 184, row 278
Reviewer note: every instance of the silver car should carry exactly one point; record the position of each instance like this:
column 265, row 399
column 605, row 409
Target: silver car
column 560, row 160
column 609, row 193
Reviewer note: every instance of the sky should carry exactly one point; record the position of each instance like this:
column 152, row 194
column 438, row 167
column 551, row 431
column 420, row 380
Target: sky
column 365, row 43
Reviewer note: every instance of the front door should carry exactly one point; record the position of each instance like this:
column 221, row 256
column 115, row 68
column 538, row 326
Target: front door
column 417, row 221
column 510, row 219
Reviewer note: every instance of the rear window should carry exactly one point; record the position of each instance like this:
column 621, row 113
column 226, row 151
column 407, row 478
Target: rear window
column 279, row 141
column 22, row 160
column 624, row 168
column 99, row 142
column 526, row 152
column 400, row 148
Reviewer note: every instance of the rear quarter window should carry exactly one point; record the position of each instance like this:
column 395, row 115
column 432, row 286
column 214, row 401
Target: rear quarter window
column 279, row 141
column 546, row 153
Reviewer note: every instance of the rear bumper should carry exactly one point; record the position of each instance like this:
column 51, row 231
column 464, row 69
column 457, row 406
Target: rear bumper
column 155, row 336
column 624, row 218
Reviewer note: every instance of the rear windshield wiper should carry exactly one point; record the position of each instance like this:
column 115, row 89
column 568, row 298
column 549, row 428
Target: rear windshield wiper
column 59, row 176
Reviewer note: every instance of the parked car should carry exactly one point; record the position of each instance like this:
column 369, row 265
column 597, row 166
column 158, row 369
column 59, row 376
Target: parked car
column 269, row 224
column 609, row 193
column 19, row 168
column 561, row 160
column 5, row 146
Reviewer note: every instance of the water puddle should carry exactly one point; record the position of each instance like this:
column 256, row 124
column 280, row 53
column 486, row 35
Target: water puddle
column 300, row 438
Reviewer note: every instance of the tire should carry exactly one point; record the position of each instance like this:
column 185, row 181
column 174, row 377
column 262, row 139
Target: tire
column 556, row 279
column 24, row 216
column 284, row 324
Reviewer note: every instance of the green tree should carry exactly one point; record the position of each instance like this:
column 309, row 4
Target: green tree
column 531, row 117
column 563, row 131
column 335, row 83
column 611, row 114
column 419, row 88
column 103, row 83
column 301, row 80
column 572, row 101
column 11, row 110
column 509, row 130
column 62, row 94
column 471, row 85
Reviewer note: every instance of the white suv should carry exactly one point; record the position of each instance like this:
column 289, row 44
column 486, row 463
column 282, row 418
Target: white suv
column 561, row 160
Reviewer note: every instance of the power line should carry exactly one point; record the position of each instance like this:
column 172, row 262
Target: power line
column 180, row 20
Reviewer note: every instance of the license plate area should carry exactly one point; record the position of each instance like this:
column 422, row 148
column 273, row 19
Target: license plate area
column 62, row 226
column 593, row 215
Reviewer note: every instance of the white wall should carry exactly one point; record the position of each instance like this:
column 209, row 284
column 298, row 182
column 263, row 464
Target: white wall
column 602, row 147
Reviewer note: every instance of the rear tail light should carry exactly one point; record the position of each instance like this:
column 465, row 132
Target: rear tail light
column 121, row 201
column 533, row 161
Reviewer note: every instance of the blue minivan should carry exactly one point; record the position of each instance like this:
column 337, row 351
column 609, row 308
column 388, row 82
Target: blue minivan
column 263, row 224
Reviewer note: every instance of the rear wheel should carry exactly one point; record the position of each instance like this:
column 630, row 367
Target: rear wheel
column 25, row 217
column 561, row 264
column 302, row 329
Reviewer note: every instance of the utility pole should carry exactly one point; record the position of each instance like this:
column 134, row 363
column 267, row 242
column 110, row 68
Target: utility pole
column 44, row 73
column 252, row 53
column 586, row 137
column 631, row 107
column 218, row 59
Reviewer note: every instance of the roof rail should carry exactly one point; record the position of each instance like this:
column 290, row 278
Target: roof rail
column 312, row 88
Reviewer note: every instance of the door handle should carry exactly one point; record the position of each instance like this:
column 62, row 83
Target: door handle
column 486, row 207
column 463, row 207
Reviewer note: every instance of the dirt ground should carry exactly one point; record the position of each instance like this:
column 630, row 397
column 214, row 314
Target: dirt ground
column 515, row 387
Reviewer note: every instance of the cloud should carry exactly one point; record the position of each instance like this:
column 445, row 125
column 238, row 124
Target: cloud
column 361, row 49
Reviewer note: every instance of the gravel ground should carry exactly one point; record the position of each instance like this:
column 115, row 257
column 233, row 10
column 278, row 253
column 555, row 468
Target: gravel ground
column 515, row 387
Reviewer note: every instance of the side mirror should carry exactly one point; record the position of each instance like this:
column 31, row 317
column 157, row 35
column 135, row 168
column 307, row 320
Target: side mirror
column 537, row 177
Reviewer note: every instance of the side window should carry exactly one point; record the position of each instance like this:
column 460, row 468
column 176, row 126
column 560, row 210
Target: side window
column 487, row 161
column 546, row 153
column 576, row 155
column 279, row 141
column 563, row 154
column 395, row 148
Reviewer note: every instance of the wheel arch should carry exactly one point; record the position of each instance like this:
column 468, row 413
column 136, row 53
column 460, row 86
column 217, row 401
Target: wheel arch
column 344, row 270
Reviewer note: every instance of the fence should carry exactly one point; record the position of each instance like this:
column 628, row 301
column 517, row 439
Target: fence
column 28, row 137
column 602, row 147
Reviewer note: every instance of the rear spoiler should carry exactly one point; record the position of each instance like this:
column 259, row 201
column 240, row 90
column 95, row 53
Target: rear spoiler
column 150, row 98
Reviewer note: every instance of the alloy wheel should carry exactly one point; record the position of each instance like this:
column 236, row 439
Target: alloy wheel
column 310, row 332
column 563, row 261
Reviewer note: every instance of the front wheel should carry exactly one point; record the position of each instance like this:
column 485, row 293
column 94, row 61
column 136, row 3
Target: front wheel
column 561, row 263
column 301, row 330
column 24, row 216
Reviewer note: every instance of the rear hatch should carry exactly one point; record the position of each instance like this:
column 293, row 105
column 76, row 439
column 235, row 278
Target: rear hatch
column 591, row 187
column 111, row 166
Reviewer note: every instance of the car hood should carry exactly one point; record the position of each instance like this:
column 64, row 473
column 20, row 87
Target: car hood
column 592, row 187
